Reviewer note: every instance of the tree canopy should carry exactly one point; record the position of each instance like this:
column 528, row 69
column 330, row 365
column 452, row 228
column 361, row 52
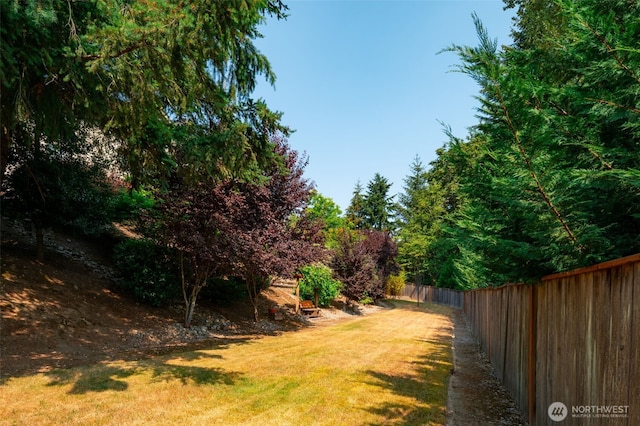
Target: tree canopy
column 549, row 178
column 247, row 230
column 373, row 209
column 171, row 80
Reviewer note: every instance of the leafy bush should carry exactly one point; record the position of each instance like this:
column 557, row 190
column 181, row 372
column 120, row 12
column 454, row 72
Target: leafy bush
column 62, row 193
column 126, row 204
column 395, row 284
column 362, row 261
column 319, row 278
column 366, row 300
column 149, row 272
column 224, row 290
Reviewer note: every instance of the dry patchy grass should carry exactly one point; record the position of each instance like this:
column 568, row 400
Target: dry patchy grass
column 386, row 368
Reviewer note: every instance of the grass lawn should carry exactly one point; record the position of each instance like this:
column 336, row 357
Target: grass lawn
column 385, row 368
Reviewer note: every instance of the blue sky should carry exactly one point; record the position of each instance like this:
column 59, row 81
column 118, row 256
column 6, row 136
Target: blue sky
column 363, row 85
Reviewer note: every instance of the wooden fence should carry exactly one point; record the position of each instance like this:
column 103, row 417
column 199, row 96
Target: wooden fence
column 428, row 294
column 574, row 338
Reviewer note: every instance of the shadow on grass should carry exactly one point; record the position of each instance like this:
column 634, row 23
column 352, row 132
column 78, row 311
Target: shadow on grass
column 427, row 385
column 101, row 378
column 96, row 379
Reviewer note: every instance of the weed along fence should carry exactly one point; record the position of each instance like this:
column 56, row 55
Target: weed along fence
column 573, row 339
column 428, row 294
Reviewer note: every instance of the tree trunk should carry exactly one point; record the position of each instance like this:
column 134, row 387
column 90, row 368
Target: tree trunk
column 190, row 308
column 4, row 152
column 189, row 299
column 36, row 218
column 253, row 297
column 255, row 313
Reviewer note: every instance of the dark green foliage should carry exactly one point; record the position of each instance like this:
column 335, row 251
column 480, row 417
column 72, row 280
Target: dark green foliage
column 373, row 209
column 355, row 212
column 127, row 204
column 172, row 84
column 149, row 272
column 378, row 208
column 548, row 180
column 60, row 193
column 317, row 279
column 224, row 290
column 419, row 209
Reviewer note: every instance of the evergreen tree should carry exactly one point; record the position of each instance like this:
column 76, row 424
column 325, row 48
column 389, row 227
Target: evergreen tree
column 171, row 84
column 355, row 212
column 414, row 186
column 553, row 183
column 412, row 220
column 378, row 207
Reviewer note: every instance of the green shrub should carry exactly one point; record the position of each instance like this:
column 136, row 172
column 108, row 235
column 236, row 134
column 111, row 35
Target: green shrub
column 224, row 290
column 395, row 284
column 366, row 300
column 63, row 193
column 319, row 278
column 127, row 204
column 149, row 272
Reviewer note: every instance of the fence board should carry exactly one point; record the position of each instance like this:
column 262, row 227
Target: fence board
column 620, row 336
column 634, row 344
column 542, row 349
column 573, row 338
column 428, row 294
column 582, row 312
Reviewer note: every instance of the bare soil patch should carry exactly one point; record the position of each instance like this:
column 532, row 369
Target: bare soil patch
column 67, row 311
column 476, row 396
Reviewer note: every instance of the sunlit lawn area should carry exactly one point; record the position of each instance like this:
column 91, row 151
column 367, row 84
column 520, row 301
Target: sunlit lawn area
column 386, row 368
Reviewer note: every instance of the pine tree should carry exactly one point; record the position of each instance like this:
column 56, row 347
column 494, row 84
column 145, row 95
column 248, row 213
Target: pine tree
column 355, row 212
column 554, row 182
column 414, row 185
column 378, row 206
column 413, row 220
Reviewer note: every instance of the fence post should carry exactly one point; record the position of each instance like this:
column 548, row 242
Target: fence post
column 533, row 315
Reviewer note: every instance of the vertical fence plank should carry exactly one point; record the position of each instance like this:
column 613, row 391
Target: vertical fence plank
column 602, row 324
column 567, row 342
column 582, row 312
column 634, row 359
column 619, row 349
column 531, row 353
column 573, row 338
column 541, row 351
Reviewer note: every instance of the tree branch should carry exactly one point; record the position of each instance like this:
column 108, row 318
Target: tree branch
column 614, row 104
column 129, row 49
column 610, row 49
column 532, row 172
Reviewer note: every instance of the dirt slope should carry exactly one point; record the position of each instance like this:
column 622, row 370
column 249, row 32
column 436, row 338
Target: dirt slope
column 67, row 311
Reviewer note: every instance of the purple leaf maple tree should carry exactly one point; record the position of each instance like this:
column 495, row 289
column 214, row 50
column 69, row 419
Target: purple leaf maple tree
column 248, row 230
